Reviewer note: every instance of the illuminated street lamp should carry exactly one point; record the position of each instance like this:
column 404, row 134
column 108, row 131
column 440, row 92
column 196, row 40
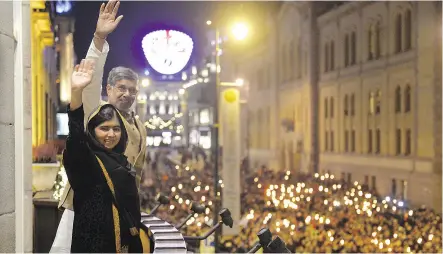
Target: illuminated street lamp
column 208, row 22
column 240, row 31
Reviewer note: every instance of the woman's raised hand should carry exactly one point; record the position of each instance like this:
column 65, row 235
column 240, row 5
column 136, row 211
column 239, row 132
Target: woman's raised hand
column 82, row 75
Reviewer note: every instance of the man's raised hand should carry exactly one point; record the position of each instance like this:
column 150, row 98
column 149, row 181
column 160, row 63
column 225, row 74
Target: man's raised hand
column 107, row 22
column 82, row 75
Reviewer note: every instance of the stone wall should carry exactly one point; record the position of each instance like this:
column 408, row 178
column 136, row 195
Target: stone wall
column 15, row 128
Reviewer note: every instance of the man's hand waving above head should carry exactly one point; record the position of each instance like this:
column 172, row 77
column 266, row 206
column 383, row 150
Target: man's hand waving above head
column 107, row 21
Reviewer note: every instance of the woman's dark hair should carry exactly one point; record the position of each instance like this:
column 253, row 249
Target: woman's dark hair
column 106, row 113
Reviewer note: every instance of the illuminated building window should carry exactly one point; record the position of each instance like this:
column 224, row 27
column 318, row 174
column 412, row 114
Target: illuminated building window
column 371, row 103
column 162, row 110
column 205, row 140
column 378, row 102
column 204, row 116
column 152, row 110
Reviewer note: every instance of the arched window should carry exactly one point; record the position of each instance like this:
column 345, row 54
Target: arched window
column 398, row 33
column 331, row 113
column 353, row 47
column 408, row 29
column 371, row 42
column 377, row 40
column 346, row 105
column 398, row 99
column 407, row 99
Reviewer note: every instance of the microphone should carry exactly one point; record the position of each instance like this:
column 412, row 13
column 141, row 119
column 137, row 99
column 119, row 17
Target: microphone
column 195, row 209
column 278, row 246
column 162, row 199
column 265, row 237
column 226, row 219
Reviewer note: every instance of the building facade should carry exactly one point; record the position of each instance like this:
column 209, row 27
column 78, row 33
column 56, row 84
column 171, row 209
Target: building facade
column 356, row 89
column 377, row 82
column 159, row 107
column 45, row 96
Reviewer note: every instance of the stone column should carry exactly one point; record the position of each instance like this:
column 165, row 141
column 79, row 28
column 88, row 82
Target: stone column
column 438, row 110
column 15, row 128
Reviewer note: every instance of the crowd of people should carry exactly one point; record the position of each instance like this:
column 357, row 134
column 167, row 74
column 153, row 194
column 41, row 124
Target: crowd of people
column 311, row 213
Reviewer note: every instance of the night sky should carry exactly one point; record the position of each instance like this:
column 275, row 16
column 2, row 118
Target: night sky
column 137, row 16
column 189, row 17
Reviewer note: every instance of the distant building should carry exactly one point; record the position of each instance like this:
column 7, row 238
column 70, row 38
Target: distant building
column 159, row 107
column 351, row 88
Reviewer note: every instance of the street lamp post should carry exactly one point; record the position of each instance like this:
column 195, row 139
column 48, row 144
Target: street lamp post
column 240, row 31
column 214, row 136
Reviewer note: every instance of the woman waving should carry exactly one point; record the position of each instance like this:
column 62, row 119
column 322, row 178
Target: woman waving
column 106, row 201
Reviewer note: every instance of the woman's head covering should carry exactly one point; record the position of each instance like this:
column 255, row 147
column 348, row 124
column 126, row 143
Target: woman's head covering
column 101, row 114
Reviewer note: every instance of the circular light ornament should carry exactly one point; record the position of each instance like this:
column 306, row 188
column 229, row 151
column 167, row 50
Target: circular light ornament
column 167, row 51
